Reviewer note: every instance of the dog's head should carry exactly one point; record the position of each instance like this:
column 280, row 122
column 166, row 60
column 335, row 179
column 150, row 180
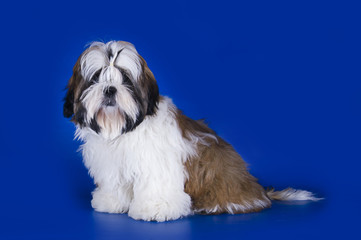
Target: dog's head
column 111, row 89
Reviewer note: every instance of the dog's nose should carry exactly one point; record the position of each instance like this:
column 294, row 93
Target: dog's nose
column 110, row 91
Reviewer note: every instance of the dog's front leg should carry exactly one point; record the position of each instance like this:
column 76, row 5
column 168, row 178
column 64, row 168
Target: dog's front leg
column 157, row 199
column 112, row 199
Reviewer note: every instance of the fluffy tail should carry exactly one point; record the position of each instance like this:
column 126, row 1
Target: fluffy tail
column 290, row 194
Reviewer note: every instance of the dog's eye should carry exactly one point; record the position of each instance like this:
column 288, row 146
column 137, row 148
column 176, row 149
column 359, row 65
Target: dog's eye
column 126, row 79
column 95, row 77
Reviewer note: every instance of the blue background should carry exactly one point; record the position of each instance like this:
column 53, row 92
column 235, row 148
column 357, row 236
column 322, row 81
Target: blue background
column 280, row 80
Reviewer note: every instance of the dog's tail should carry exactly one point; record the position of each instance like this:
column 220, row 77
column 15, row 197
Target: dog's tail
column 290, row 194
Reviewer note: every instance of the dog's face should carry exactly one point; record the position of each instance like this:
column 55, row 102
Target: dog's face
column 111, row 89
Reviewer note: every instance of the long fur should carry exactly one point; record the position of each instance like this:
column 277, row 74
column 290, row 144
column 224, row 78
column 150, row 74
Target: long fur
column 132, row 168
column 147, row 158
column 290, row 194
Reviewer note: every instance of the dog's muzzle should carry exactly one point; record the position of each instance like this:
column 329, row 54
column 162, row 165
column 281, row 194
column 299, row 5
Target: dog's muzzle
column 109, row 95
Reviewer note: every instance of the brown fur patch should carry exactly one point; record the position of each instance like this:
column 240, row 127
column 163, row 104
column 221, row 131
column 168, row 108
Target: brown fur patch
column 218, row 176
column 149, row 88
column 75, row 87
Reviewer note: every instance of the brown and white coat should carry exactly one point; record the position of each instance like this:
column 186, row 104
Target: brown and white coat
column 147, row 158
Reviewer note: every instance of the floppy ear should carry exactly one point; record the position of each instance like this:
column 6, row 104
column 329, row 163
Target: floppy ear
column 68, row 108
column 69, row 100
column 151, row 88
column 153, row 92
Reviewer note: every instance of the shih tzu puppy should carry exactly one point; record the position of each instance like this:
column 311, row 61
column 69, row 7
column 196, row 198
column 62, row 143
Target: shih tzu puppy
column 147, row 158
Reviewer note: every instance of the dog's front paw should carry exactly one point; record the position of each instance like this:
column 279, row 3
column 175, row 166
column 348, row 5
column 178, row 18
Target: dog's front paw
column 107, row 202
column 160, row 210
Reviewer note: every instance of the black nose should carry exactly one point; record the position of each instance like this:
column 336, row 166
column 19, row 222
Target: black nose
column 110, row 91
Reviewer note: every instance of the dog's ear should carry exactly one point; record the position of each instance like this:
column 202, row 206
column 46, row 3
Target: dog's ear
column 151, row 87
column 69, row 100
column 153, row 92
column 68, row 108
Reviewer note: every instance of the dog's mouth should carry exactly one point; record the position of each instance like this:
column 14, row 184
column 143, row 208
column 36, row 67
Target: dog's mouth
column 109, row 102
column 111, row 120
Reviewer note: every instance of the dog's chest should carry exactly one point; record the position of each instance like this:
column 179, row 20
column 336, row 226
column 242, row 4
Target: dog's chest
column 156, row 147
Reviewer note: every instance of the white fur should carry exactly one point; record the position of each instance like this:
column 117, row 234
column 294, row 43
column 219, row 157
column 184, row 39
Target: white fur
column 124, row 56
column 290, row 194
column 246, row 206
column 233, row 207
column 97, row 58
column 141, row 172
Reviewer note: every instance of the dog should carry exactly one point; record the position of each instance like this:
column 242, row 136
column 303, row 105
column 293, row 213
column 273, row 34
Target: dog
column 146, row 157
